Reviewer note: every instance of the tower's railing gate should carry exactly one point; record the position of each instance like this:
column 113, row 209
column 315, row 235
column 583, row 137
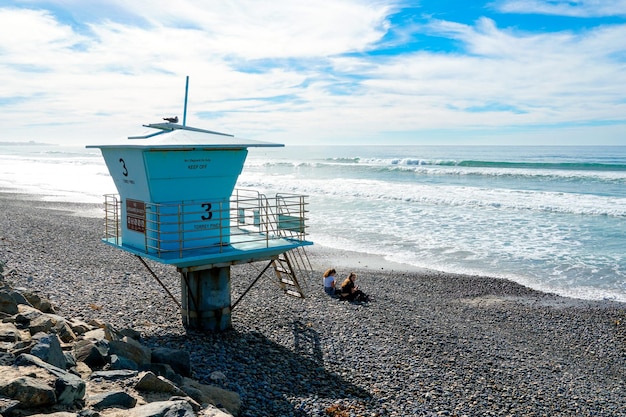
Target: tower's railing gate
column 285, row 218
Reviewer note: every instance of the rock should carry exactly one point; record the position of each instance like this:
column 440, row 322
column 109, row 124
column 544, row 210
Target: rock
column 120, row 362
column 48, row 348
column 113, row 375
column 179, row 360
column 150, row 382
column 30, row 392
column 130, row 349
column 19, row 298
column 6, row 358
column 79, row 327
column 41, row 324
column 212, row 411
column 95, row 334
column 177, row 408
column 9, row 333
column 8, row 405
column 64, row 330
column 217, row 376
column 193, row 403
column 88, row 413
column 133, row 334
column 34, row 364
column 70, row 361
column 23, row 346
column 41, row 304
column 164, row 370
column 112, row 399
column 68, row 387
column 212, row 395
column 26, row 314
column 94, row 353
column 7, row 303
column 96, row 323
column 111, row 334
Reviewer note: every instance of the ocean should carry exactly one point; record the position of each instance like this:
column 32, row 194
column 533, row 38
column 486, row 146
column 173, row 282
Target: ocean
column 551, row 218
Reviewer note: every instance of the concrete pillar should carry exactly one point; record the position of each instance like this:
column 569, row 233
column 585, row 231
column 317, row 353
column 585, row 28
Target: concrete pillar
column 206, row 299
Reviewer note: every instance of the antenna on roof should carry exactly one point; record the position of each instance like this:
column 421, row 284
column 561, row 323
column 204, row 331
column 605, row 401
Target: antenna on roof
column 185, row 110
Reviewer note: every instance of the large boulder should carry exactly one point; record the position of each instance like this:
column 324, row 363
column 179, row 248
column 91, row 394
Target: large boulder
column 48, row 348
column 69, row 389
column 30, row 392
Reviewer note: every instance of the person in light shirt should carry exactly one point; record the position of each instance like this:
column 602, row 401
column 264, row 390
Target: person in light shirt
column 329, row 281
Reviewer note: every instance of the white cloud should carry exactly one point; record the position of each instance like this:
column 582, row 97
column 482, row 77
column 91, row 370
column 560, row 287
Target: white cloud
column 291, row 71
column 575, row 8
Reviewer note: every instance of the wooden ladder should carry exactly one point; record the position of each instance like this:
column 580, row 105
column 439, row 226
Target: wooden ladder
column 294, row 263
column 286, row 266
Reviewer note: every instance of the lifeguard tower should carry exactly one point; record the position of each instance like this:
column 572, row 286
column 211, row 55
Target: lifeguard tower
column 177, row 204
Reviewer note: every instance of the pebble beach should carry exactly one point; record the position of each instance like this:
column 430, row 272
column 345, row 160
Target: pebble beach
column 428, row 344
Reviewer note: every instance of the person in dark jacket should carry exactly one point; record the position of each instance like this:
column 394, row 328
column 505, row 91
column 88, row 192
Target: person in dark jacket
column 350, row 291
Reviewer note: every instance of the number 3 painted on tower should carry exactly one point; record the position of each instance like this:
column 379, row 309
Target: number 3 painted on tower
column 207, row 208
column 125, row 172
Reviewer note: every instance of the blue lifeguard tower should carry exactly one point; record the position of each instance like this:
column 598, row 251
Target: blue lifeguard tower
column 177, row 204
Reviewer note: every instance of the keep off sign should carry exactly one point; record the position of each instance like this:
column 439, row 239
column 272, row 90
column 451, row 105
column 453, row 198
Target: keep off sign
column 136, row 215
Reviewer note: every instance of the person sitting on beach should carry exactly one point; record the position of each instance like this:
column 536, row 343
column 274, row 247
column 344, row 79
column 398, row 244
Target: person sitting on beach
column 350, row 291
column 329, row 281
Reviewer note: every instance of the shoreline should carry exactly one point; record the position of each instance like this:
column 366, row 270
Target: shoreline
column 429, row 343
column 342, row 259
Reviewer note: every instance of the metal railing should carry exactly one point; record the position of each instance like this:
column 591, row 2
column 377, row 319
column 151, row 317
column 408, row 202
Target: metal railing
column 181, row 228
column 112, row 227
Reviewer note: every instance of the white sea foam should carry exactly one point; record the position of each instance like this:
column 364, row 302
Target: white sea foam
column 459, row 196
column 558, row 230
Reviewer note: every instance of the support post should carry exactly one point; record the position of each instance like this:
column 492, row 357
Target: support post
column 206, row 299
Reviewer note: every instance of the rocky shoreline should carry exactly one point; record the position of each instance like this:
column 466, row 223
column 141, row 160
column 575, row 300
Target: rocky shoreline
column 428, row 344
column 52, row 366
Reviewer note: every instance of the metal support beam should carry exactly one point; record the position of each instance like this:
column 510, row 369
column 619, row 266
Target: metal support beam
column 158, row 280
column 251, row 285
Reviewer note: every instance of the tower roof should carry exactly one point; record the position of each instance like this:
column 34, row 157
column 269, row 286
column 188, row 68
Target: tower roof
column 175, row 136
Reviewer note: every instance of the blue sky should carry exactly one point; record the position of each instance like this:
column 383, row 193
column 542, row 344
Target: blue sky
column 509, row 72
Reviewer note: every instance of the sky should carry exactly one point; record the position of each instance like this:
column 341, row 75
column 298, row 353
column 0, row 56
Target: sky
column 429, row 72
